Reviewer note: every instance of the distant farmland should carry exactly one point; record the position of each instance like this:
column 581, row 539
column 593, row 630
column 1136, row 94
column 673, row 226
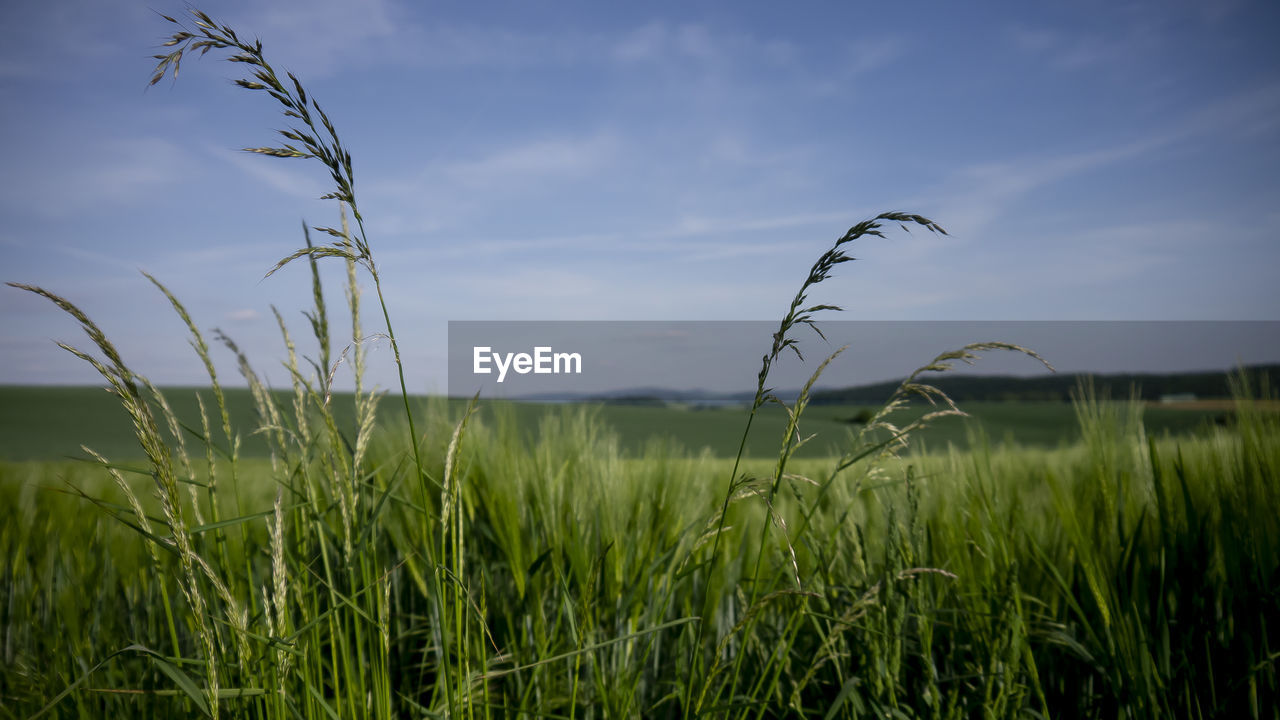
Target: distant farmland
column 48, row 423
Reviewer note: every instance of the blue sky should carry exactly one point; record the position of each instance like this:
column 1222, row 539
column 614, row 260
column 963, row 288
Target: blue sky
column 640, row 161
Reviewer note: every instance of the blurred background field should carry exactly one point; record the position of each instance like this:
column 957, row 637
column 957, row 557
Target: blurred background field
column 50, row 423
column 1124, row 573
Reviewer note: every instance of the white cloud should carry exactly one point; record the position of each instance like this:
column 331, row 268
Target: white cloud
column 662, row 42
column 659, row 41
column 739, row 152
column 837, row 220
column 1249, row 113
column 297, row 178
column 1068, row 51
column 688, row 239
column 453, row 46
column 104, row 174
column 319, row 38
column 315, row 37
column 92, row 257
column 642, row 44
column 559, row 157
column 682, row 43
column 977, row 195
column 858, row 61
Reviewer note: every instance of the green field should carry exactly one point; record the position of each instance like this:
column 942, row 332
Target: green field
column 50, row 423
column 1072, row 580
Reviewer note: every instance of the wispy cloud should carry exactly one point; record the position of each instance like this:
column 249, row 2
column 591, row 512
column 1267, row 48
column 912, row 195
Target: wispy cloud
column 738, row 150
column 662, row 41
column 540, row 159
column 317, row 37
column 273, row 173
column 93, row 257
column 704, row 225
column 243, row 259
column 1080, row 50
column 858, row 61
column 107, row 173
column 40, row 36
column 1249, row 113
column 377, row 32
column 977, row 195
column 447, row 196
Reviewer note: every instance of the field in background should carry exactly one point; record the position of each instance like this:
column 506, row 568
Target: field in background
column 50, row 423
column 1118, row 576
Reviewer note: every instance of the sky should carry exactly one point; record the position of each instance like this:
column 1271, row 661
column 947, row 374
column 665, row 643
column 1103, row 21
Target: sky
column 640, row 161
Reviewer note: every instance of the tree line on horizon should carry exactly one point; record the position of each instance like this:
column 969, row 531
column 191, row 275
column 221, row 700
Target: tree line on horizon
column 1061, row 387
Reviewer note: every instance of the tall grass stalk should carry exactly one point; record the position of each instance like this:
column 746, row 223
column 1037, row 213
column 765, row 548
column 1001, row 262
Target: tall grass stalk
column 322, row 145
column 797, row 314
column 894, row 439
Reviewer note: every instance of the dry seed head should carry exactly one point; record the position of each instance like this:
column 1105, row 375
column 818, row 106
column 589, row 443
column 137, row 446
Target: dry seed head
column 280, row 586
column 367, row 409
column 449, row 493
column 202, row 349
column 266, row 612
column 346, row 503
column 278, row 570
column 175, row 430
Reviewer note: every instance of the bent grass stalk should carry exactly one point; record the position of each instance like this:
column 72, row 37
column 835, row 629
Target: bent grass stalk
column 124, row 384
column 738, row 488
column 797, row 314
column 323, row 146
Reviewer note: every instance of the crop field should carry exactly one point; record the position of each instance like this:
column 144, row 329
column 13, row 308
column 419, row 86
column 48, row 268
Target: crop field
column 303, row 553
column 1121, row 575
column 51, row 423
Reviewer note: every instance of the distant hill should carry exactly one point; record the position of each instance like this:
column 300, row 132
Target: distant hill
column 962, row 388
column 1056, row 387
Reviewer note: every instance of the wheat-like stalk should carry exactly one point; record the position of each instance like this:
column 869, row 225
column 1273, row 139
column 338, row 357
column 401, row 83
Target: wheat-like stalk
column 124, row 383
column 314, row 138
column 799, row 313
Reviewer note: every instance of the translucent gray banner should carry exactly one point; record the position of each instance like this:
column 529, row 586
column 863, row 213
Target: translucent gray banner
column 712, row 361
